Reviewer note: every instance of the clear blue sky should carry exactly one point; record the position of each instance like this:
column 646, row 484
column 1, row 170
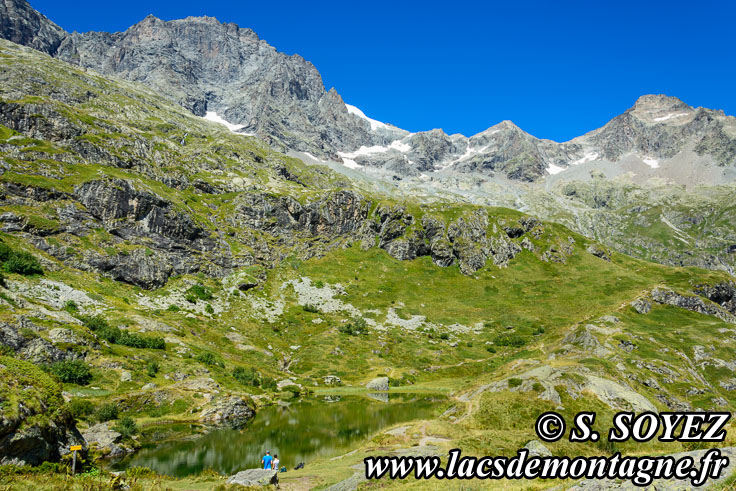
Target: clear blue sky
column 555, row 68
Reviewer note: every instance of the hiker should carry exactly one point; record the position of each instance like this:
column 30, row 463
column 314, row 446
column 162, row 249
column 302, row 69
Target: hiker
column 266, row 460
column 276, row 462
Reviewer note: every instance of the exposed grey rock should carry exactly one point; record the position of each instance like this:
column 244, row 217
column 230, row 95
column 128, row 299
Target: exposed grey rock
column 104, row 439
column 642, row 305
column 582, row 338
column 597, row 251
column 378, row 383
column 692, row 303
column 255, row 477
column 724, row 294
column 537, row 449
column 232, row 411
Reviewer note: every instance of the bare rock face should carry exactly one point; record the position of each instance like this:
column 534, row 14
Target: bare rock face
column 692, row 303
column 20, row 23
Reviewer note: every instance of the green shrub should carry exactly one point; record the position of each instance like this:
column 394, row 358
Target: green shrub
column 80, row 408
column 71, row 372
column 356, row 326
column 152, row 368
column 538, row 330
column 444, row 336
column 107, row 412
column 209, row 359
column 268, row 383
column 310, row 308
column 71, row 306
column 513, row 340
column 115, row 335
column 173, row 308
column 515, row 382
column 247, row 376
column 22, row 263
column 319, row 284
column 199, row 292
column 209, row 309
column 126, row 427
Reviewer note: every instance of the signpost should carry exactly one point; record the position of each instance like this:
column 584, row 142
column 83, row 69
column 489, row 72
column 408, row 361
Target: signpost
column 74, row 449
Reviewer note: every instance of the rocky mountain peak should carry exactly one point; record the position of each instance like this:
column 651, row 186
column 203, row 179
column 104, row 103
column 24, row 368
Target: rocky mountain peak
column 660, row 109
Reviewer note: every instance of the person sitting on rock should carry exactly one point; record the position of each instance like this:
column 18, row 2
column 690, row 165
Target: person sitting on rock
column 266, row 461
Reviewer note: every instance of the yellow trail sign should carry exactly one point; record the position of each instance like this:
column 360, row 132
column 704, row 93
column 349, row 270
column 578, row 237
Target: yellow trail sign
column 75, row 447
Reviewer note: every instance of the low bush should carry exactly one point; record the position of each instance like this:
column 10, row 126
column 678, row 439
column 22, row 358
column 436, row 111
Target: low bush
column 513, row 340
column 80, row 408
column 209, row 359
column 126, row 427
column 107, row 412
column 247, row 376
column 71, row 371
column 198, row 292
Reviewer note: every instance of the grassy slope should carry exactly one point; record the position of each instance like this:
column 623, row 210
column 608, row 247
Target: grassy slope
column 527, row 295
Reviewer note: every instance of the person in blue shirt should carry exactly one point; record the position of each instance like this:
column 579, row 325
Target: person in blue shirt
column 266, row 460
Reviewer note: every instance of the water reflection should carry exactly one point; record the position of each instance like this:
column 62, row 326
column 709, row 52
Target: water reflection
column 300, row 432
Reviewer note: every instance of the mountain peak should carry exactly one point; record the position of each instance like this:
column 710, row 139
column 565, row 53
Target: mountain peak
column 660, row 108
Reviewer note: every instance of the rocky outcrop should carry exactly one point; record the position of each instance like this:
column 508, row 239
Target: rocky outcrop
column 642, row 305
column 232, row 411
column 31, row 347
column 32, row 430
column 692, row 303
column 724, row 294
column 255, row 477
column 105, row 440
column 378, row 383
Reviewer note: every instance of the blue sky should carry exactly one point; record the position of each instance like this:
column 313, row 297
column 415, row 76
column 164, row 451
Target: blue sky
column 557, row 68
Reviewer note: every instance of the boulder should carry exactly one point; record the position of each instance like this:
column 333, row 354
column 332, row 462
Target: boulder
column 105, row 439
column 378, row 383
column 255, row 477
column 126, row 376
column 537, row 449
column 642, row 306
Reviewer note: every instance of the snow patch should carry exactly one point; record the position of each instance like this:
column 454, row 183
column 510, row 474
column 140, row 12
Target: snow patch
column 670, row 116
column 588, row 157
column 653, row 163
column 553, row 169
column 351, row 164
column 215, row 118
column 401, row 146
column 357, row 112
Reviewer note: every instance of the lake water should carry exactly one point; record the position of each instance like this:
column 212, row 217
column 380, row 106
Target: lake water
column 301, row 432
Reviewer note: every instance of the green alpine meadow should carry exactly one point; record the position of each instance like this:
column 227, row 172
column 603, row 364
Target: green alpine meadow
column 198, row 266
